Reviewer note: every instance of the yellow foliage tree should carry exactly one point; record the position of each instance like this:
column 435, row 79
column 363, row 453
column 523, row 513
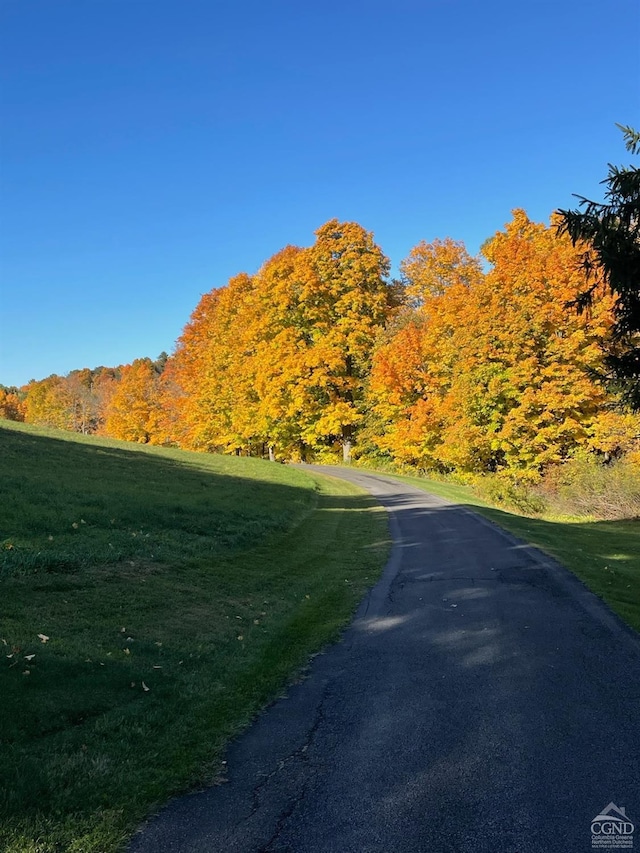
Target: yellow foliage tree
column 279, row 359
column 133, row 411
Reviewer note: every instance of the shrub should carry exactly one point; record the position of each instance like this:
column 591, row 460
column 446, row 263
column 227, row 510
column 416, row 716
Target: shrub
column 511, row 491
column 587, row 486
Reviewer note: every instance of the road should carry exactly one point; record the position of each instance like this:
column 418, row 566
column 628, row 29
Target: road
column 482, row 701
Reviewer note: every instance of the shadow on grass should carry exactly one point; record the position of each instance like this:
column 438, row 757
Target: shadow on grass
column 69, row 502
column 603, row 554
column 148, row 669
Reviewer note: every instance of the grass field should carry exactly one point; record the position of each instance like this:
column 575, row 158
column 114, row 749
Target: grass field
column 152, row 602
column 604, row 554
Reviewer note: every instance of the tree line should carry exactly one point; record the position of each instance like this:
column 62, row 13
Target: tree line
column 465, row 363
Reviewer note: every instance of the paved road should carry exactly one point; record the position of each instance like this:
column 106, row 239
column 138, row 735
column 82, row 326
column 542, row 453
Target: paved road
column 481, row 702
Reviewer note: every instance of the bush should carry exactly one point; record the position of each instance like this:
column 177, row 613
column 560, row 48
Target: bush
column 587, row 486
column 511, row 491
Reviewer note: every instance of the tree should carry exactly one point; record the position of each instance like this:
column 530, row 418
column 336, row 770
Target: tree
column 134, row 410
column 11, row 405
column 611, row 230
column 432, row 267
column 278, row 360
column 495, row 373
column 83, row 405
column 212, row 367
column 345, row 301
column 49, row 403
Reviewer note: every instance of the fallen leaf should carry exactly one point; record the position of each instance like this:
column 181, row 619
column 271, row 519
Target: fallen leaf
column 127, row 651
column 43, row 638
column 144, row 687
column 29, row 657
column 240, row 637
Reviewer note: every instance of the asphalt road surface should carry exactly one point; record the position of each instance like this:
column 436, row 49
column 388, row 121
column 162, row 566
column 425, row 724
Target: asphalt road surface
column 483, row 701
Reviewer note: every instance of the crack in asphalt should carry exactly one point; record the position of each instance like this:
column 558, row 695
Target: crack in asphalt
column 300, row 753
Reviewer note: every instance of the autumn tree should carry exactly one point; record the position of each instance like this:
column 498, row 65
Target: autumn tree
column 212, row 367
column 104, row 382
column 49, row 403
column 430, row 268
column 344, row 300
column 11, row 404
column 494, row 373
column 75, row 402
column 279, row 359
column 542, row 358
column 134, row 409
column 82, row 404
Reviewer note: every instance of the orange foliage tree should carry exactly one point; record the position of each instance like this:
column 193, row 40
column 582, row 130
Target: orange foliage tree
column 210, row 368
column 492, row 371
column 11, row 404
column 133, row 411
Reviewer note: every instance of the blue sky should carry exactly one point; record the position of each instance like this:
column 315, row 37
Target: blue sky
column 151, row 149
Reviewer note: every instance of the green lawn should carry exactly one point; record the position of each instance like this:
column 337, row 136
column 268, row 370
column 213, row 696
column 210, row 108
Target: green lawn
column 152, row 602
column 604, row 554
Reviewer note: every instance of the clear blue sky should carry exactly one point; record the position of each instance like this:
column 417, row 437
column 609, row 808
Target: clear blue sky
column 150, row 149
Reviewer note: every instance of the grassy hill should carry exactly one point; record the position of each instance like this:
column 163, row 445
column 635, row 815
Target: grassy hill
column 153, row 601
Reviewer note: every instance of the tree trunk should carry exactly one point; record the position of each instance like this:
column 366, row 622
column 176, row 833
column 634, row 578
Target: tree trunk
column 272, row 455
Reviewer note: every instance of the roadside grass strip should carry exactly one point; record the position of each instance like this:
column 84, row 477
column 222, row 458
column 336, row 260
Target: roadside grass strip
column 152, row 602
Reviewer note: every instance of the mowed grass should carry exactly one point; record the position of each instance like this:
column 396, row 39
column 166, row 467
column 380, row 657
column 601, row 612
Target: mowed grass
column 603, row 554
column 179, row 593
